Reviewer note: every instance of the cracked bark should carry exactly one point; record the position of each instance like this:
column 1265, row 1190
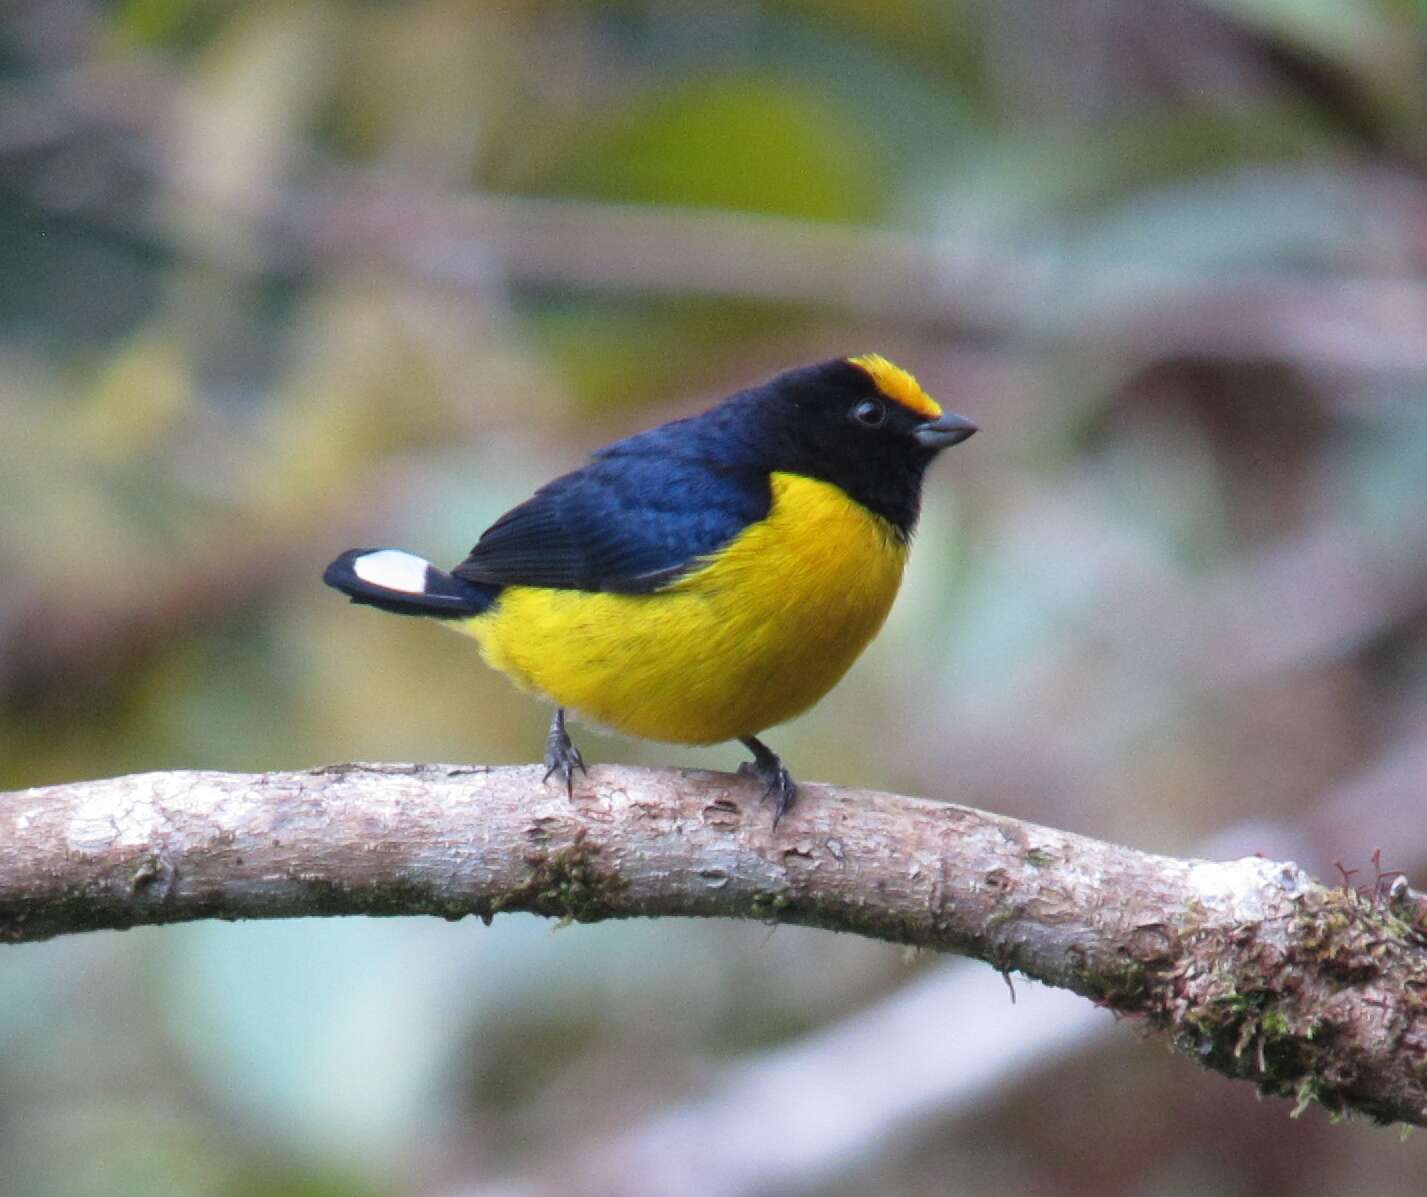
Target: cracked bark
column 1252, row 967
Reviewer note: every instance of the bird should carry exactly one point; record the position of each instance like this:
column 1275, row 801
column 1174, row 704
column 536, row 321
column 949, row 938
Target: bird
column 703, row 580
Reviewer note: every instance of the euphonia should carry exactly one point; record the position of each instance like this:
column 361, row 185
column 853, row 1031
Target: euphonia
column 703, row 580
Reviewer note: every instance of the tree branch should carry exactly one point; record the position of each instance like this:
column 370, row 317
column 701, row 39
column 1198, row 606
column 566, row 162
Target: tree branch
column 1255, row 970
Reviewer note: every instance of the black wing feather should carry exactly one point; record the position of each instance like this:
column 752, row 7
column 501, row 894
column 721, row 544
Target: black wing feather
column 630, row 522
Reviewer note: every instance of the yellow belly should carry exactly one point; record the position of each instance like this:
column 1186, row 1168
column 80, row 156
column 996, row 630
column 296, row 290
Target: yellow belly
column 749, row 640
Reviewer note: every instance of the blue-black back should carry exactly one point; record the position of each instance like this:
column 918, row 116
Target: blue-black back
column 639, row 514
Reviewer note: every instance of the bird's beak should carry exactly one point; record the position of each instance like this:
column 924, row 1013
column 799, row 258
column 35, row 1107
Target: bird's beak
column 946, row 430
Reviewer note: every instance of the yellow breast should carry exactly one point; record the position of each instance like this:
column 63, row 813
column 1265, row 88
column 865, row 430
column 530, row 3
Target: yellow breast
column 748, row 640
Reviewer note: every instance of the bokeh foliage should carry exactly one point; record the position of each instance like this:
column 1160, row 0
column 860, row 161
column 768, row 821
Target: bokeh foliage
column 281, row 277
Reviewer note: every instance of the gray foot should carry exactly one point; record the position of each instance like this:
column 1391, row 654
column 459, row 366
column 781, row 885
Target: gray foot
column 778, row 783
column 561, row 755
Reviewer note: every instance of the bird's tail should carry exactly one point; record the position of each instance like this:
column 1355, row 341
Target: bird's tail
column 406, row 585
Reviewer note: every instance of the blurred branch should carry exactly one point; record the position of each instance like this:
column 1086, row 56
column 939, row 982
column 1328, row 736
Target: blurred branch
column 1042, row 294
column 1255, row 970
column 800, row 1117
column 52, row 648
column 62, row 646
column 1041, row 290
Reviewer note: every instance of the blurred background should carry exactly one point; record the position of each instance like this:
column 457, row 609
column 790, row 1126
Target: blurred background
column 281, row 278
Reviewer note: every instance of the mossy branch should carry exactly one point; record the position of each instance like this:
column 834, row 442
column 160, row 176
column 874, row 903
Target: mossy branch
column 1254, row 969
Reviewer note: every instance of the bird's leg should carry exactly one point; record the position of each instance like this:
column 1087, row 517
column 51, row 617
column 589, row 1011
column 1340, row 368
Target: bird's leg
column 561, row 756
column 778, row 783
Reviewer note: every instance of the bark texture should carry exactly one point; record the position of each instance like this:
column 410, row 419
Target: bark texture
column 1254, row 969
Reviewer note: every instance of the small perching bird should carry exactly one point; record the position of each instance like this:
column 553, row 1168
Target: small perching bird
column 703, row 580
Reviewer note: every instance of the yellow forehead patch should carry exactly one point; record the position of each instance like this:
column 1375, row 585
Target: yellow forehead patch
column 898, row 385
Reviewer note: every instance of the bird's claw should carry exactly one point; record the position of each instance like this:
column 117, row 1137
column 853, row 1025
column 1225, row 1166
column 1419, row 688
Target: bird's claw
column 778, row 783
column 564, row 761
column 561, row 755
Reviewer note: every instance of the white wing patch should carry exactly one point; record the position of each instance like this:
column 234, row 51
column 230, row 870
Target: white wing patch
column 392, row 569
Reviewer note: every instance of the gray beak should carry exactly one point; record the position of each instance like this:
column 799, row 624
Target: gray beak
column 947, row 430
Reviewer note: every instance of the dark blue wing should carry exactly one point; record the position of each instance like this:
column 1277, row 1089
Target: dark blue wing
column 640, row 514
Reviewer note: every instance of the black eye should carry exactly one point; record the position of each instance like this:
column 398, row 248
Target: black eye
column 869, row 413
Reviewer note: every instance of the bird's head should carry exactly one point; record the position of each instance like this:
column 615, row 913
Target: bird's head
column 864, row 425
